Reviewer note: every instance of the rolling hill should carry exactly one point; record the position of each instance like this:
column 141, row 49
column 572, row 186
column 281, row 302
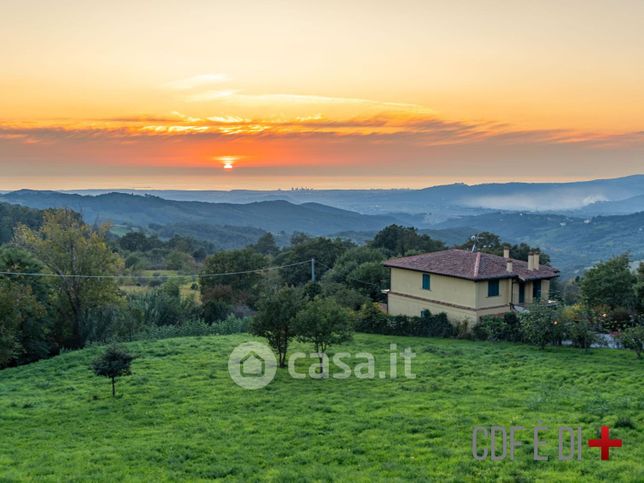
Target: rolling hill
column 438, row 203
column 143, row 211
column 573, row 243
column 180, row 417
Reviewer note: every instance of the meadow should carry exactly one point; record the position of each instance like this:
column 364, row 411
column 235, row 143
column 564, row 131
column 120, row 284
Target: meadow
column 179, row 415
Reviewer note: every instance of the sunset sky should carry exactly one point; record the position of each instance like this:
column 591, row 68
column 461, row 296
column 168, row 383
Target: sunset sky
column 332, row 94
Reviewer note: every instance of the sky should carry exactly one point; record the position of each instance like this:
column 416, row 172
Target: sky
column 334, row 94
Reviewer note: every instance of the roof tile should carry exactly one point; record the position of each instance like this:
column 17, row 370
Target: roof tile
column 473, row 266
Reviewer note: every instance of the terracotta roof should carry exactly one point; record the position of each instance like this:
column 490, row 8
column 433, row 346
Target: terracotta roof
column 473, row 266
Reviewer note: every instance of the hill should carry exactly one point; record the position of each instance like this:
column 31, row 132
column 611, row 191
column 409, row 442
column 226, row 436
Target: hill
column 144, row 211
column 12, row 215
column 180, row 417
column 437, row 203
column 573, row 243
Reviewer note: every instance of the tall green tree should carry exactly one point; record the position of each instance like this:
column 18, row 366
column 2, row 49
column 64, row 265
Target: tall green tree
column 639, row 289
column 326, row 252
column 35, row 331
column 361, row 269
column 610, row 284
column 266, row 245
column 275, row 319
column 243, row 285
column 400, row 240
column 74, row 253
column 18, row 306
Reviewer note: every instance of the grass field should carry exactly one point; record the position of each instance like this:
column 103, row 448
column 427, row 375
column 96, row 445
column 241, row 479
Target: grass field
column 179, row 416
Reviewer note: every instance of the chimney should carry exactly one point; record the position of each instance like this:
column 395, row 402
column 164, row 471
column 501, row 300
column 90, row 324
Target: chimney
column 531, row 261
column 535, row 261
column 509, row 266
column 506, row 251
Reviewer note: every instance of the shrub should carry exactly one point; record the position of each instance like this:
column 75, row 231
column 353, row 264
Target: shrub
column 541, row 325
column 194, row 328
column 437, row 325
column 371, row 319
column 582, row 326
column 633, row 339
column 496, row 328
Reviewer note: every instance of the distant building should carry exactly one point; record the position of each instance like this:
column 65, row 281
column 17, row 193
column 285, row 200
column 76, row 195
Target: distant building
column 466, row 285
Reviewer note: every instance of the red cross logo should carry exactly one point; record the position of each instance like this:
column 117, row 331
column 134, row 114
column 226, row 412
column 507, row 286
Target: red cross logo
column 605, row 443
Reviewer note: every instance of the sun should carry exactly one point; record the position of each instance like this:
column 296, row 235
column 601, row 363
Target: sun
column 228, row 161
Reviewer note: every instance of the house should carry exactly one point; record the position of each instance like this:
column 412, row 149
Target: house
column 466, row 285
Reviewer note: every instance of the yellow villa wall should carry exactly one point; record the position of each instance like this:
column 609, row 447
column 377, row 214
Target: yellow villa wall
column 459, row 298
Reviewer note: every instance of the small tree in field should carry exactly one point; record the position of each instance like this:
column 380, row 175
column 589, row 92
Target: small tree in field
column 323, row 323
column 275, row 318
column 114, row 362
column 633, row 338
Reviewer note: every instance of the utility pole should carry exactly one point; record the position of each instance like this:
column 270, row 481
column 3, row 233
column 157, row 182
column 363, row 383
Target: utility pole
column 313, row 270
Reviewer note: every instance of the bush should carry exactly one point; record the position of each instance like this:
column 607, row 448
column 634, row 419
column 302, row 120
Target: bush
column 194, row 328
column 582, row 326
column 541, row 326
column 633, row 339
column 372, row 320
column 496, row 328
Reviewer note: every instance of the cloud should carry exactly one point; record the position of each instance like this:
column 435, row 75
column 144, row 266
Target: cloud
column 196, row 81
column 210, row 95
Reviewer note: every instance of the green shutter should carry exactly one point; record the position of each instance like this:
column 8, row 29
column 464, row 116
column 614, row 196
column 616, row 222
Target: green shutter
column 493, row 288
column 426, row 282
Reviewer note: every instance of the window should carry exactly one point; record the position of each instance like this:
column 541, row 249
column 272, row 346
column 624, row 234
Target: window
column 493, row 288
column 426, row 282
column 536, row 289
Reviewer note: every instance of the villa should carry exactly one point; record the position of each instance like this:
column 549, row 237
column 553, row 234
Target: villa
column 466, row 285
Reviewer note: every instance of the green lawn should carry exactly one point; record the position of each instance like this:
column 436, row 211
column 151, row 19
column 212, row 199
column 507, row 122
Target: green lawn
column 179, row 416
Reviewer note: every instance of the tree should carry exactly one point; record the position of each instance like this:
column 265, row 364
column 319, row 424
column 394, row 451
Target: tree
column 326, row 252
column 35, row 329
column 323, row 322
column 114, row 362
column 522, row 250
column 610, row 284
column 77, row 253
column 17, row 307
column 486, row 242
column 639, row 289
column 361, row 268
column 275, row 318
column 633, row 338
column 399, row 240
column 244, row 286
column 136, row 241
column 266, row 245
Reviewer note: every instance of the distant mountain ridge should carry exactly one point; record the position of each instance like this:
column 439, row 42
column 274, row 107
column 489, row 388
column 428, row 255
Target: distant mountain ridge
column 146, row 210
column 439, row 203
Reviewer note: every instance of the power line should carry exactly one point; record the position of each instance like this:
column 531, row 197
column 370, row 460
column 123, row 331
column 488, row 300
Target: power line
column 189, row 275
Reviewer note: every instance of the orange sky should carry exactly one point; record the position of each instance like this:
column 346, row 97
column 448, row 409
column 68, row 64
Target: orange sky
column 166, row 94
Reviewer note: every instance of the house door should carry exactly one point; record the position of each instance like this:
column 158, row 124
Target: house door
column 521, row 292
